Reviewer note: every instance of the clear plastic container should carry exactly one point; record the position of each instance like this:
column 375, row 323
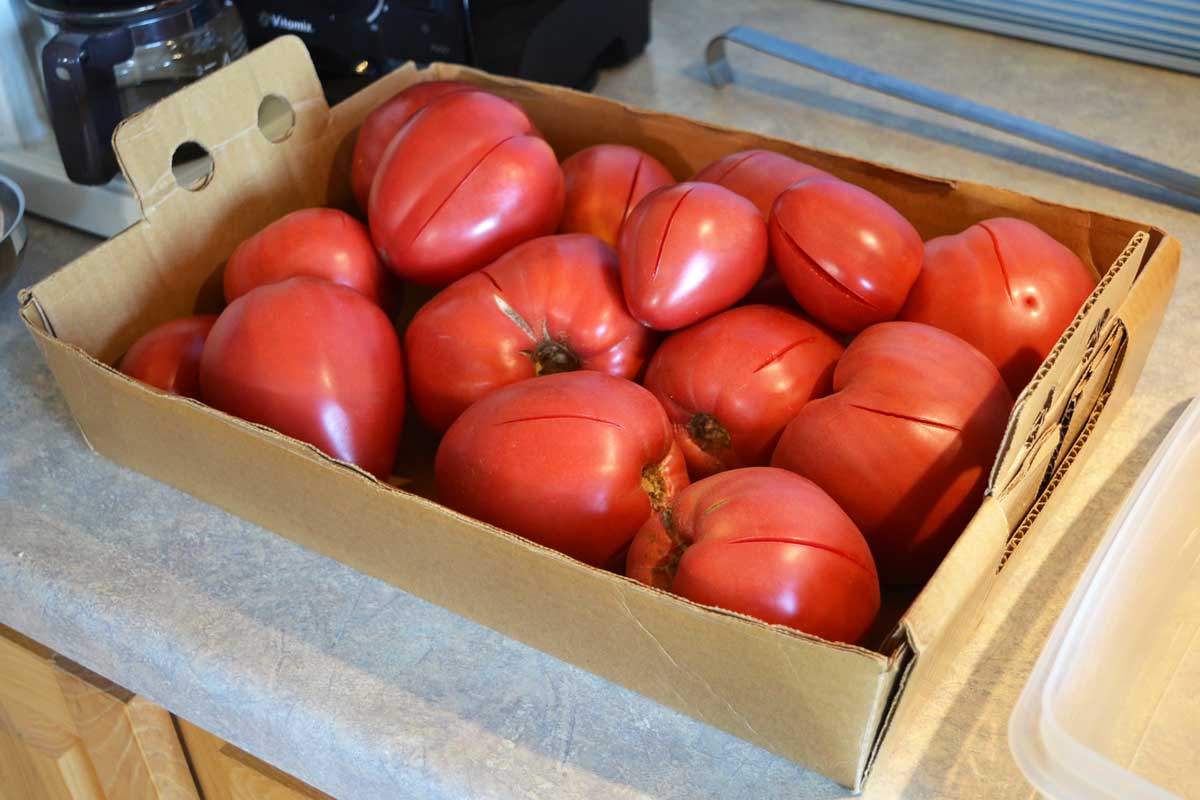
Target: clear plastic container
column 1112, row 708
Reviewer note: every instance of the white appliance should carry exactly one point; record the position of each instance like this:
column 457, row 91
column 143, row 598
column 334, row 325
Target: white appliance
column 28, row 152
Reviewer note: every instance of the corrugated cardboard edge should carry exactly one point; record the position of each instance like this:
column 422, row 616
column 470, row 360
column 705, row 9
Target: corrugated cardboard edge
column 285, row 64
column 990, row 534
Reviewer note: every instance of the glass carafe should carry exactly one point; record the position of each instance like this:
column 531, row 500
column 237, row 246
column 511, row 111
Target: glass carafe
column 110, row 60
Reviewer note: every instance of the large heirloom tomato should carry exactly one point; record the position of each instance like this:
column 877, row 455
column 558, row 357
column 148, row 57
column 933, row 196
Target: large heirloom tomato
column 847, row 257
column 314, row 242
column 383, row 123
column 767, row 543
column 604, row 183
column 689, row 251
column 314, row 360
column 760, row 176
column 168, row 356
column 575, row 461
column 549, row 305
column 905, row 442
column 731, row 383
column 466, row 179
column 1006, row 287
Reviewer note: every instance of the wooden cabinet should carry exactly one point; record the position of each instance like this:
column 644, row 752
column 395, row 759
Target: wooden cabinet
column 227, row 773
column 69, row 734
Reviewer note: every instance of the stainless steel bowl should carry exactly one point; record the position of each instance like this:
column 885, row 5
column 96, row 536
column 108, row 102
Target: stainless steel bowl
column 12, row 226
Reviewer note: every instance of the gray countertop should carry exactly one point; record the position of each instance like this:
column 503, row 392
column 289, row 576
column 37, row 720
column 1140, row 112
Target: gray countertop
column 365, row 691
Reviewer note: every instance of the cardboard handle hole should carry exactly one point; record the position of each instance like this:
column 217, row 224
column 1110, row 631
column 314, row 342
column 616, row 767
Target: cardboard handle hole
column 192, row 165
column 276, row 118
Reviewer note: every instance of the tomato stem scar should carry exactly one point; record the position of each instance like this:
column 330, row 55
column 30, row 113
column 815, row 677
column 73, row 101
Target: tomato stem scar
column 709, row 434
column 551, row 357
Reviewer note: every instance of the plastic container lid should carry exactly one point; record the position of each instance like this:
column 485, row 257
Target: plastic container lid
column 1112, row 708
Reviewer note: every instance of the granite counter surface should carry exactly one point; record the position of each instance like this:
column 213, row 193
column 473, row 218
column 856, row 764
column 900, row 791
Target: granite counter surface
column 365, row 691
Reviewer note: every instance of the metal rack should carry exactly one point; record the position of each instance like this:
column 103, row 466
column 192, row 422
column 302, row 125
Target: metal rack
column 1164, row 33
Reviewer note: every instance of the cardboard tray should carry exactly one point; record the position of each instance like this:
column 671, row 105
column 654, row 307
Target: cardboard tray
column 823, row 705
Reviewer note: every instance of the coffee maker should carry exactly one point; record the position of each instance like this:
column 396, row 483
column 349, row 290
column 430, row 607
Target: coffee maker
column 71, row 70
column 107, row 61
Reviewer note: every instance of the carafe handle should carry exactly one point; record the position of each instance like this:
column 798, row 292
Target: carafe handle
column 83, row 100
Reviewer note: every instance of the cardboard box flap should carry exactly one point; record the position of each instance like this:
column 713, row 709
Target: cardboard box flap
column 1040, row 408
column 170, row 262
column 225, row 114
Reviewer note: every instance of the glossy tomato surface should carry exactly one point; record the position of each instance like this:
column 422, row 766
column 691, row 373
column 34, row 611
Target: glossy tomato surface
column 732, row 382
column 550, row 305
column 603, row 185
column 847, row 257
column 760, row 176
column 168, row 356
column 383, row 123
column 575, row 461
column 315, row 360
column 689, row 251
column 465, row 180
column 1006, row 287
column 905, row 442
column 767, row 543
column 314, row 242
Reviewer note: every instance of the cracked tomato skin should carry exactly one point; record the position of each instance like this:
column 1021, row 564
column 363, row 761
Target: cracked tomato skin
column 847, row 257
column 315, row 360
column 383, row 123
column 552, row 304
column 465, row 180
column 1005, row 286
column 565, row 461
column 168, row 356
column 315, row 242
column 760, row 176
column 732, row 382
column 689, row 251
column 603, row 185
column 767, row 543
column 905, row 442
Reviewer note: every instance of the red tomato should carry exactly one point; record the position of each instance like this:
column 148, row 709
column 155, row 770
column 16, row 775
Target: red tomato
column 464, row 181
column 575, row 462
column 905, row 442
column 847, row 257
column 731, row 383
column 766, row 543
column 603, row 185
column 689, row 251
column 314, row 360
column 383, row 123
column 1006, row 287
column 549, row 305
column 760, row 176
column 313, row 242
column 168, row 356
